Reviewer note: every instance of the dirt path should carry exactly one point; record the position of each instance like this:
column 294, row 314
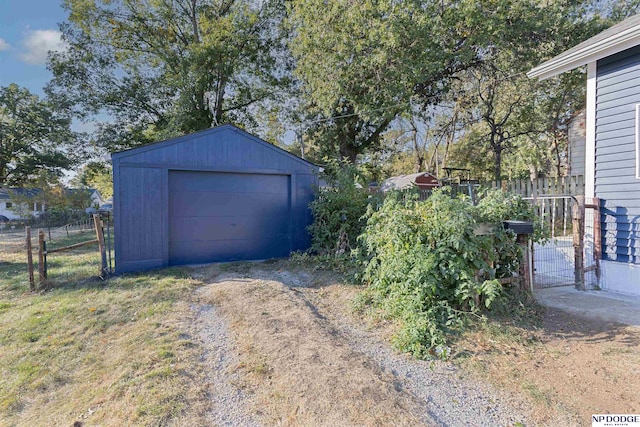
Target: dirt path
column 285, row 349
column 570, row 367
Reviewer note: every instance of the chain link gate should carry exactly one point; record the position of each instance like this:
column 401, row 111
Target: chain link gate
column 569, row 253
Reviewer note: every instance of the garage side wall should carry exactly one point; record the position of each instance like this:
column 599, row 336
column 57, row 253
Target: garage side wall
column 304, row 187
column 140, row 240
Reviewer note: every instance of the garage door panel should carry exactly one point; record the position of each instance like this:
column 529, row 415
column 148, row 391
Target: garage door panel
column 226, row 217
column 240, row 183
column 225, row 228
column 188, row 203
column 227, row 250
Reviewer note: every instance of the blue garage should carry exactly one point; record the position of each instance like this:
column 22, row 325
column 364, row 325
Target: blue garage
column 216, row 195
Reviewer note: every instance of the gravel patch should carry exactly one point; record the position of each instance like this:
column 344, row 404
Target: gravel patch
column 229, row 404
column 441, row 392
column 448, row 399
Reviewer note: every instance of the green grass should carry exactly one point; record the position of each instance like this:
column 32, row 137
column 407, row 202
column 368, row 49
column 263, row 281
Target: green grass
column 111, row 352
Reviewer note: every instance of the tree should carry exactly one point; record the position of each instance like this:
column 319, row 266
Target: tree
column 96, row 175
column 35, row 136
column 508, row 116
column 160, row 68
column 362, row 63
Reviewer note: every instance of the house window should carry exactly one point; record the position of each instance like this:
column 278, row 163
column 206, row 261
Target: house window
column 37, row 207
column 9, row 204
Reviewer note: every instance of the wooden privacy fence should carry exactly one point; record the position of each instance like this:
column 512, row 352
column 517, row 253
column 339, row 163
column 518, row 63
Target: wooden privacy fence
column 571, row 185
column 43, row 252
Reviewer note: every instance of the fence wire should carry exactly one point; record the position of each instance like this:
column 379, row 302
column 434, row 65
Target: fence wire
column 554, row 257
column 13, row 239
column 86, row 262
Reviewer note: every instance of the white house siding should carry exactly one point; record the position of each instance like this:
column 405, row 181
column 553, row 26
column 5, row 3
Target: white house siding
column 4, row 210
column 616, row 184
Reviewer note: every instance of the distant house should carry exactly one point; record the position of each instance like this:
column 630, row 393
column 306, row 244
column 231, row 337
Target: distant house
column 13, row 205
column 94, row 195
column 11, row 210
column 420, row 180
column 577, row 142
column 612, row 143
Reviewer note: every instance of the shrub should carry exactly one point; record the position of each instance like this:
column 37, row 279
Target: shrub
column 338, row 214
column 427, row 268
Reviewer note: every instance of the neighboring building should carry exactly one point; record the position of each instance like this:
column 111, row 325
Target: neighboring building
column 216, row 195
column 11, row 210
column 420, row 180
column 95, row 197
column 577, row 140
column 612, row 149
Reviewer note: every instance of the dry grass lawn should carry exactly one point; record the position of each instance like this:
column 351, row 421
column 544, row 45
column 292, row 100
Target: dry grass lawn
column 126, row 351
column 102, row 353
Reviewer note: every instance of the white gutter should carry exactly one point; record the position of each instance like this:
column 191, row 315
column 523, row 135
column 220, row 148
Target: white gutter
column 590, row 53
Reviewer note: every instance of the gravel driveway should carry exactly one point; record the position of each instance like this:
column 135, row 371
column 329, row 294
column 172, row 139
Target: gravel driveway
column 283, row 347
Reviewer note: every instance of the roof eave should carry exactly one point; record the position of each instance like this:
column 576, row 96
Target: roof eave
column 590, row 53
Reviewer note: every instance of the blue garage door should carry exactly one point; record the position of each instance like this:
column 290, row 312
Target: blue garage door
column 227, row 217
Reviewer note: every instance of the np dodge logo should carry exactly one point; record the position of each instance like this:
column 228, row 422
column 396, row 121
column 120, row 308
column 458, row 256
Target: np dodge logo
column 615, row 420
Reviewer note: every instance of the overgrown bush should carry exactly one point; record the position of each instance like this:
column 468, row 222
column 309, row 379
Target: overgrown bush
column 427, row 268
column 338, row 214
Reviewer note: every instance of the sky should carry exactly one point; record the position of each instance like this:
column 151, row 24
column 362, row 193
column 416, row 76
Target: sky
column 28, row 30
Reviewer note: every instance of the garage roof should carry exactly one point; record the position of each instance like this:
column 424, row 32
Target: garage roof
column 211, row 131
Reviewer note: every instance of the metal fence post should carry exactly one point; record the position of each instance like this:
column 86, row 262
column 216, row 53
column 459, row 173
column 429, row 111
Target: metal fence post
column 578, row 241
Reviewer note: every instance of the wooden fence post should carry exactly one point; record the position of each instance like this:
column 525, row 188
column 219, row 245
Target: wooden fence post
column 41, row 270
column 597, row 237
column 578, row 241
column 32, row 284
column 104, row 271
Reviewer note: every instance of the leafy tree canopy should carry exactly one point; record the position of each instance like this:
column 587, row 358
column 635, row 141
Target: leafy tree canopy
column 96, row 175
column 360, row 64
column 363, row 64
column 35, row 137
column 160, row 68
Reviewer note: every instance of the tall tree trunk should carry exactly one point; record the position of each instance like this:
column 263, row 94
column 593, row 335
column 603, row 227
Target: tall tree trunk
column 348, row 152
column 194, row 22
column 497, row 171
column 449, row 140
column 217, row 118
column 419, row 152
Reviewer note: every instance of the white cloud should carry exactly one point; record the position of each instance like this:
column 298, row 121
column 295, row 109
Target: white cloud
column 4, row 45
column 38, row 43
